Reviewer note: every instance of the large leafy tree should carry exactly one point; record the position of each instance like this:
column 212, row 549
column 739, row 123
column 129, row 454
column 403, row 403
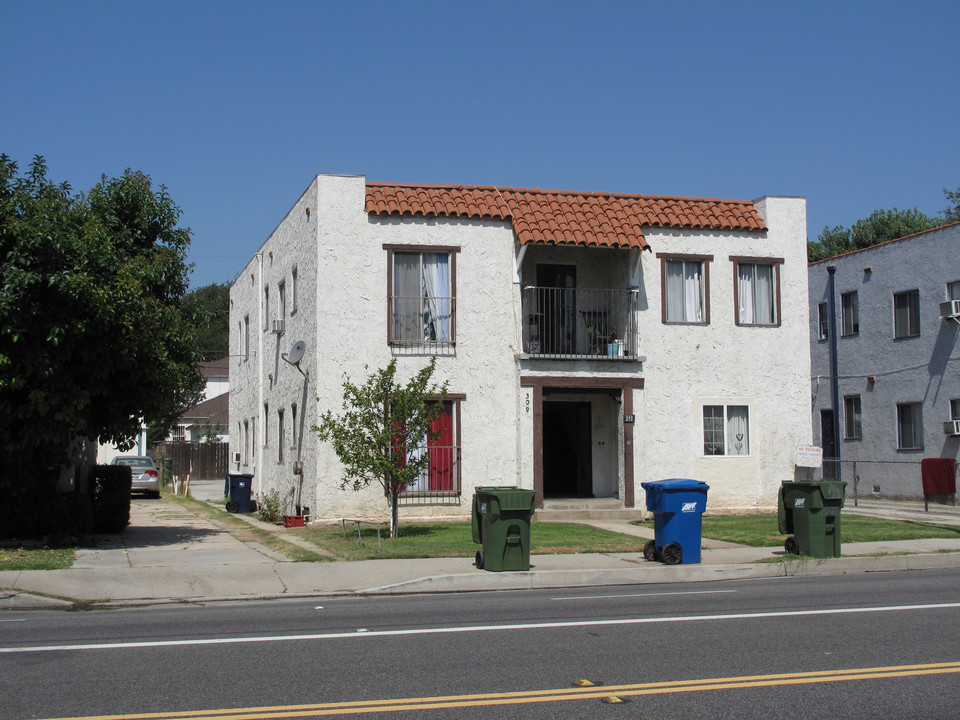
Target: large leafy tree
column 210, row 304
column 952, row 213
column 93, row 335
column 879, row 227
column 381, row 433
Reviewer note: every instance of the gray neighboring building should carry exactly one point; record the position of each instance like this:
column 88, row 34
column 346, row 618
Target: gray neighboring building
column 897, row 322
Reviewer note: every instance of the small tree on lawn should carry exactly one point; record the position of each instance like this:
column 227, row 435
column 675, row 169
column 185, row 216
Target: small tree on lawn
column 381, row 434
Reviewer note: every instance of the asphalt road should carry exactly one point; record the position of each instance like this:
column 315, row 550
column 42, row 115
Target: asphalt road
column 883, row 645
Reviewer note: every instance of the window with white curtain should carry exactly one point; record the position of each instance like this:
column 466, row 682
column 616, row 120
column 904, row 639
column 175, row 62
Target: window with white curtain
column 757, row 291
column 685, row 289
column 422, row 301
column 726, row 430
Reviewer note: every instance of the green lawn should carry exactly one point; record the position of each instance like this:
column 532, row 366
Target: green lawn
column 456, row 540
column 35, row 558
column 762, row 531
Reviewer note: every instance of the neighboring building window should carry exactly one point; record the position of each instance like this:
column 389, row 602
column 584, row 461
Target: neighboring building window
column 442, row 475
column 757, row 290
column 953, row 291
column 293, row 290
column 293, row 426
column 909, row 426
column 823, row 322
column 852, row 417
column 179, row 433
column 906, row 314
column 850, row 306
column 280, row 436
column 266, row 308
column 726, row 430
column 422, row 296
column 685, row 289
column 266, row 425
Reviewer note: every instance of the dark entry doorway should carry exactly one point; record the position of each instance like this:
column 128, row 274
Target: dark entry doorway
column 557, row 308
column 567, row 459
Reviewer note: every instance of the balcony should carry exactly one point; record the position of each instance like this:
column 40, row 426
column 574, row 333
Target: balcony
column 580, row 323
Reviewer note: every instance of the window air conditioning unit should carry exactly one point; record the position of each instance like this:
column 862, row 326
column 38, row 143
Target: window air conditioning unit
column 950, row 309
column 278, row 327
column 951, row 427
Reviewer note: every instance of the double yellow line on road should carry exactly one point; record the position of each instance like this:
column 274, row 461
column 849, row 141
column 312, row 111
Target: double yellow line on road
column 595, row 692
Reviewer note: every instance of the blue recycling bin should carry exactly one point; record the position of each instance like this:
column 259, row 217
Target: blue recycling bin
column 240, row 485
column 677, row 506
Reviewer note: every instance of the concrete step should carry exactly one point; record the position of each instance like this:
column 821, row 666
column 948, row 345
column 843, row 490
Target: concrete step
column 573, row 509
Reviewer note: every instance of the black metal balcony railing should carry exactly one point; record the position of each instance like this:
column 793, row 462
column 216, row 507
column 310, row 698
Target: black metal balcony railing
column 580, row 323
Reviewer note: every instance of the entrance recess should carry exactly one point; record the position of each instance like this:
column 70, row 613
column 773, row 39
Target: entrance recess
column 545, row 417
column 567, row 450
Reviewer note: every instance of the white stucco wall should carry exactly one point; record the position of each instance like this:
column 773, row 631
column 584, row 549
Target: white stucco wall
column 765, row 368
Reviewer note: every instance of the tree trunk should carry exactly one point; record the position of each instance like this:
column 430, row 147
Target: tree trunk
column 394, row 512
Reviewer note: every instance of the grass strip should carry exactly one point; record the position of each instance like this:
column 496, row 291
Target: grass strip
column 434, row 540
column 762, row 530
column 41, row 558
column 246, row 532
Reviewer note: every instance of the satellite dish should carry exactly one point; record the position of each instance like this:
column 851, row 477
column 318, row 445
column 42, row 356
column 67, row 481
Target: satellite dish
column 296, row 352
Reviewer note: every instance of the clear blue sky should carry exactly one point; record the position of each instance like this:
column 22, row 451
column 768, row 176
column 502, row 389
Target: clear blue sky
column 235, row 106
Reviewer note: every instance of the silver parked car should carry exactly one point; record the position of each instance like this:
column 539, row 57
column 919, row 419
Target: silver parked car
column 146, row 479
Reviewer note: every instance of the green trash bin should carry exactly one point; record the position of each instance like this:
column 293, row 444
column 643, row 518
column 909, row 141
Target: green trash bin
column 810, row 513
column 501, row 524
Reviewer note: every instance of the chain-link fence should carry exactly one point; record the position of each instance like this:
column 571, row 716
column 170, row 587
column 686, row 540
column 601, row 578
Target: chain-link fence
column 876, row 479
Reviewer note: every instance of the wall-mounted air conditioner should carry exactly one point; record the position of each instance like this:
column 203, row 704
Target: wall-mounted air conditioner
column 951, row 427
column 950, row 309
column 277, row 327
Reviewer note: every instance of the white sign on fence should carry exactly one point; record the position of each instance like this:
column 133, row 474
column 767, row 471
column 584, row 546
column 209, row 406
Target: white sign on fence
column 809, row 456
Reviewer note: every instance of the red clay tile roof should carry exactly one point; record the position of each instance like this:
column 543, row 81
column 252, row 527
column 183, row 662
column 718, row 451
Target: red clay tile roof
column 556, row 217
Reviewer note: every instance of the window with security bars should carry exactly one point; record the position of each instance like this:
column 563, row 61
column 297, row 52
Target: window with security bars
column 422, row 302
column 441, row 478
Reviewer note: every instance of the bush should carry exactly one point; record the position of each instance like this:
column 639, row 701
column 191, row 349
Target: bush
column 110, row 492
column 28, row 502
column 271, row 508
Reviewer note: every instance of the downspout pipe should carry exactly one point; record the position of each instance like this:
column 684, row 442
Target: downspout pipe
column 260, row 411
column 834, row 367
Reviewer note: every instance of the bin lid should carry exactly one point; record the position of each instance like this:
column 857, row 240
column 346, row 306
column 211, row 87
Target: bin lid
column 675, row 484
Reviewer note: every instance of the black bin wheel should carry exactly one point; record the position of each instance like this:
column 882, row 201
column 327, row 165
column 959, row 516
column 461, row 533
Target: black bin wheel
column 650, row 550
column 673, row 554
column 233, row 507
column 479, row 559
column 792, row 546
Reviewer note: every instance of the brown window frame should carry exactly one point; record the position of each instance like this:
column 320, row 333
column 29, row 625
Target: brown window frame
column 705, row 261
column 737, row 261
column 452, row 251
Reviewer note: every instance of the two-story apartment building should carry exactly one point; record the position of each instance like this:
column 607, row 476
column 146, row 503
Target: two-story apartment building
column 896, row 319
column 590, row 341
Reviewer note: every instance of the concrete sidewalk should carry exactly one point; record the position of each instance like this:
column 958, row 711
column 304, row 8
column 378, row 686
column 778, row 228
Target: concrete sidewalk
column 169, row 554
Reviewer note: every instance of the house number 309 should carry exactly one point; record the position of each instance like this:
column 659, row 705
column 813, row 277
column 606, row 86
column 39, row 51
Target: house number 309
column 528, row 403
